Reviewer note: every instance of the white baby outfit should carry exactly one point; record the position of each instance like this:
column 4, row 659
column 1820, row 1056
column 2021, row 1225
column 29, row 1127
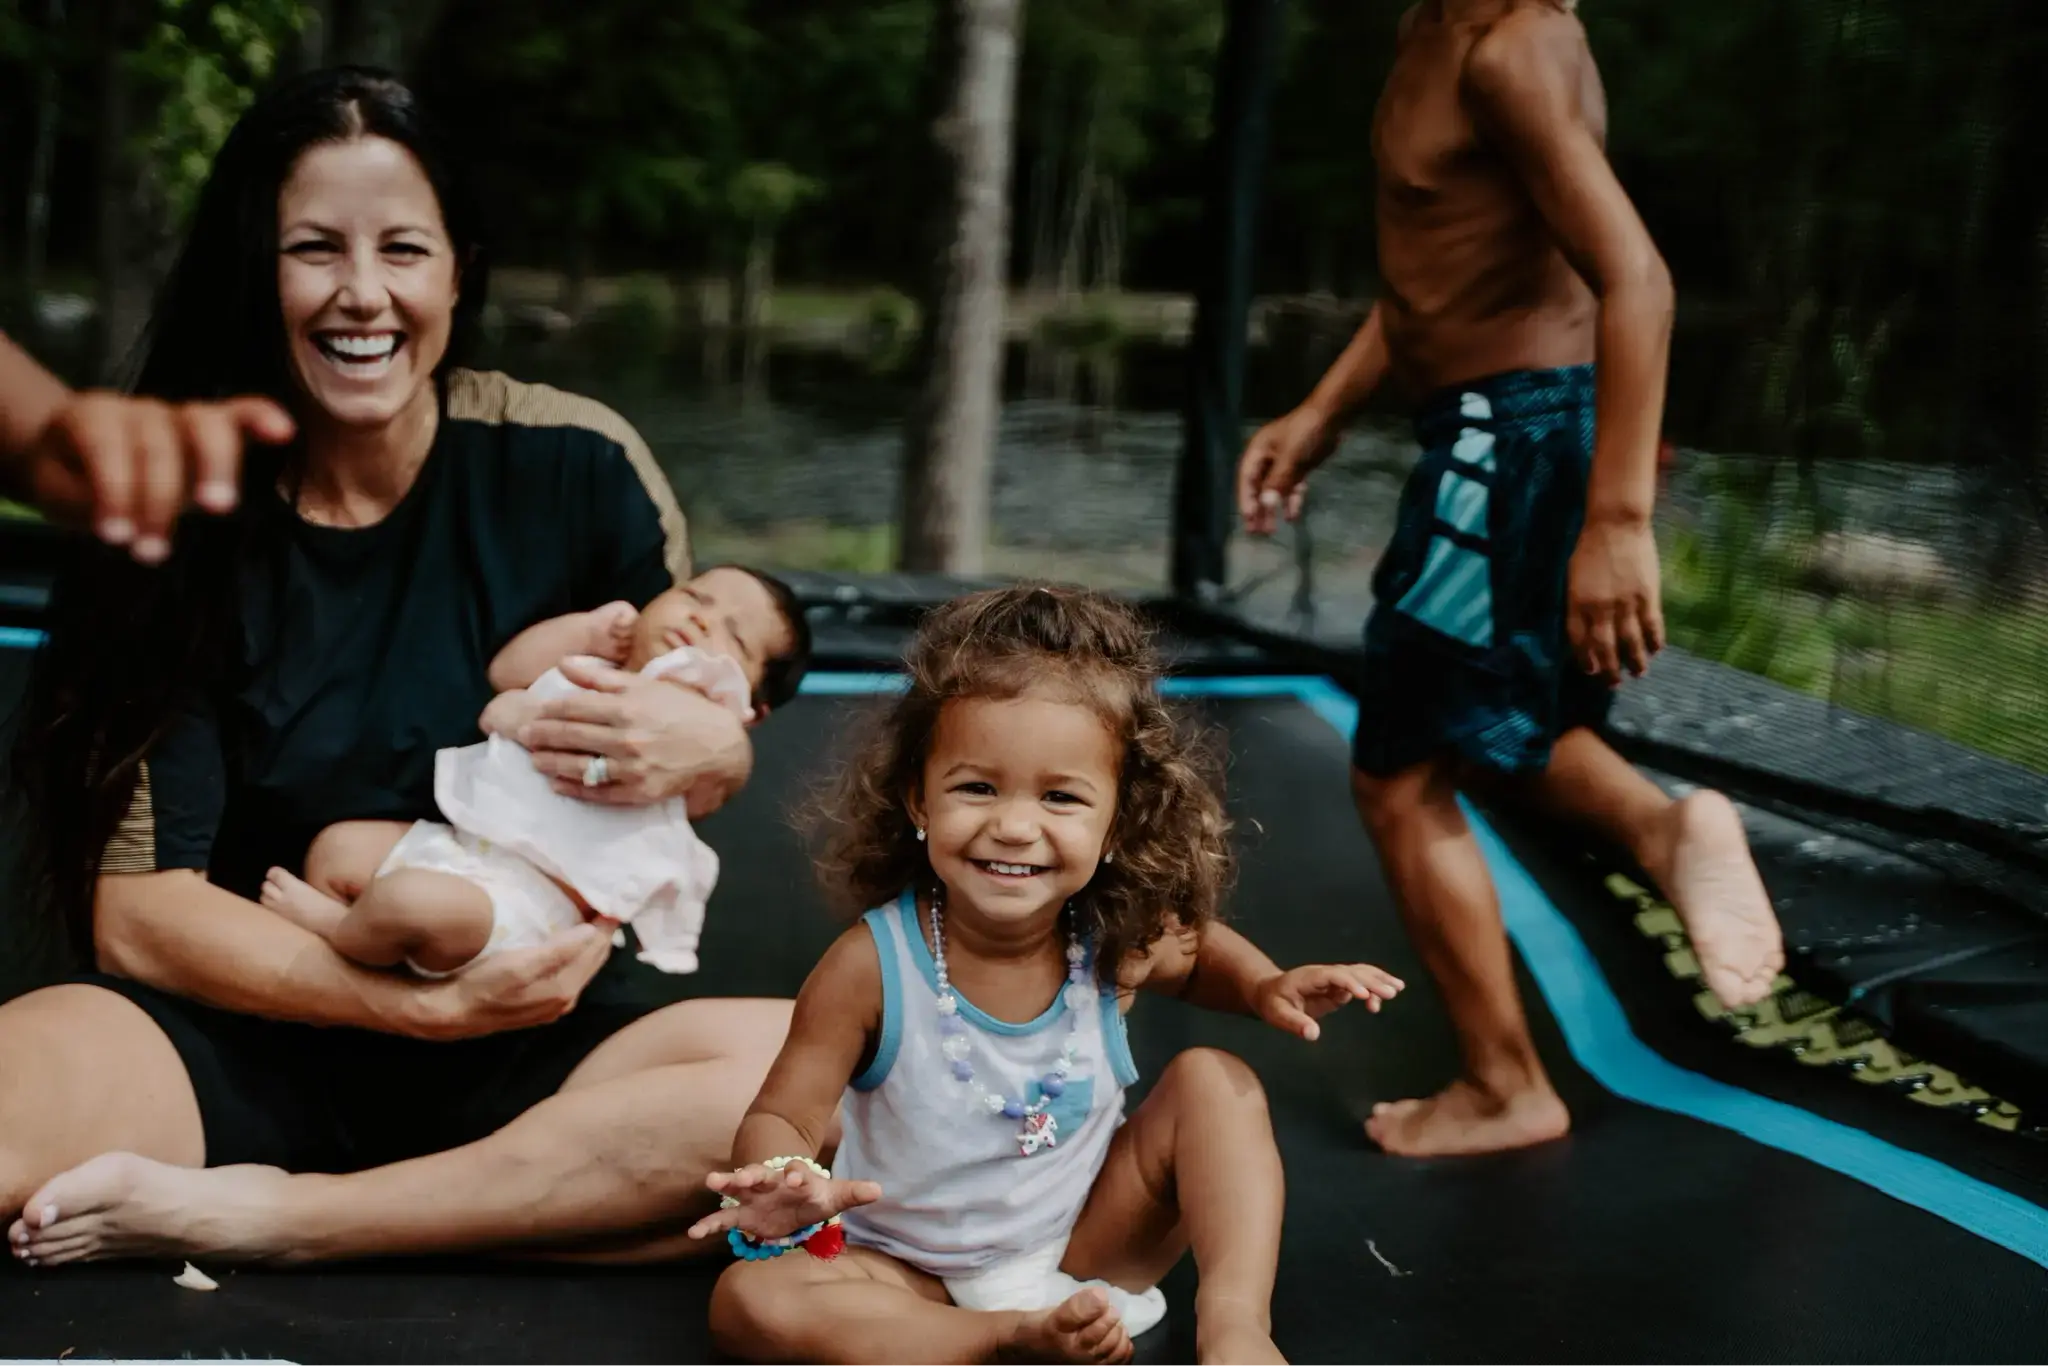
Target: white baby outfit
column 960, row 1198
column 509, row 832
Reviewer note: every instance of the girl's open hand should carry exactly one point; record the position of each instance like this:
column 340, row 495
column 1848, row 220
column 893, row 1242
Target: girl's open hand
column 777, row 1204
column 1296, row 999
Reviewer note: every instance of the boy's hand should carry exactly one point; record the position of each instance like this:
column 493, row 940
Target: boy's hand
column 1614, row 610
column 777, row 1204
column 1275, row 464
column 1296, row 999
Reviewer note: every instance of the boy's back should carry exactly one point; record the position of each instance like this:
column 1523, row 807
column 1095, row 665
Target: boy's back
column 1475, row 283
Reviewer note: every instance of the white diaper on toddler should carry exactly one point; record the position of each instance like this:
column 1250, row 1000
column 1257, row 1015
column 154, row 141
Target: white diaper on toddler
column 526, row 907
column 1033, row 1280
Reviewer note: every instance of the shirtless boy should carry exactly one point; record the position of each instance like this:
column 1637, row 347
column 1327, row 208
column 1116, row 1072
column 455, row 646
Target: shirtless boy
column 1527, row 314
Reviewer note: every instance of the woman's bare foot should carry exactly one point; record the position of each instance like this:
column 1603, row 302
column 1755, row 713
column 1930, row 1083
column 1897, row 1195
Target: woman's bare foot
column 302, row 903
column 1462, row 1120
column 1233, row 1340
column 121, row 1205
column 1083, row 1328
column 611, row 631
column 1702, row 862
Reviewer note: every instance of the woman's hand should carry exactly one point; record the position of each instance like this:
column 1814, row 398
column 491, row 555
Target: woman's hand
column 516, row 989
column 658, row 740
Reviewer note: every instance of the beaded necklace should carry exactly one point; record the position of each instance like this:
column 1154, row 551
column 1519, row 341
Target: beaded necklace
column 1041, row 1127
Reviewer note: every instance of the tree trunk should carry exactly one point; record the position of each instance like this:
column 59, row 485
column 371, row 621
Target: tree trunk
column 36, row 220
column 1045, row 186
column 2040, row 470
column 121, row 307
column 949, row 445
column 1081, row 209
column 316, row 40
column 385, row 33
column 757, row 289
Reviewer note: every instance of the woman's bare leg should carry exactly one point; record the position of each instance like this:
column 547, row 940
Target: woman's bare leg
column 624, row 1146
column 862, row 1306
column 82, row 1071
column 1196, row 1166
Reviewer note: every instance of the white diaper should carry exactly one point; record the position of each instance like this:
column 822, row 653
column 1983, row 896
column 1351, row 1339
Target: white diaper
column 526, row 908
column 1033, row 1280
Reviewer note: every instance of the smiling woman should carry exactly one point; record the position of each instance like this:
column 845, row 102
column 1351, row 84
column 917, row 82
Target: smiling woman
column 368, row 281
column 298, row 664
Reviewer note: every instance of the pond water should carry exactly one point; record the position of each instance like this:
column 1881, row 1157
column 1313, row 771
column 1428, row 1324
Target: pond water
column 1915, row 592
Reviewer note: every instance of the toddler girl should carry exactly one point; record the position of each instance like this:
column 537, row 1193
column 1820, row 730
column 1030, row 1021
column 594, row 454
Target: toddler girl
column 1039, row 840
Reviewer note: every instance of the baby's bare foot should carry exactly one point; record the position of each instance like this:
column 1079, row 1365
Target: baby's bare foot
column 611, row 631
column 301, row 903
column 1082, row 1328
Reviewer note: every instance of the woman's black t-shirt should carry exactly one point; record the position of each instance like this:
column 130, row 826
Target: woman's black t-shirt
column 368, row 648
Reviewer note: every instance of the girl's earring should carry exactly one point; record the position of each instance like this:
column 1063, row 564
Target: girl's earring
column 920, row 834
column 1109, row 857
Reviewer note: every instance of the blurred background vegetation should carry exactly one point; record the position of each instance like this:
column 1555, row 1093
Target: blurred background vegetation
column 714, row 216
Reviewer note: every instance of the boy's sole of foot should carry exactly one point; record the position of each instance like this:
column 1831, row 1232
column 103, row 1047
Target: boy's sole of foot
column 1463, row 1121
column 1714, row 886
column 1081, row 1328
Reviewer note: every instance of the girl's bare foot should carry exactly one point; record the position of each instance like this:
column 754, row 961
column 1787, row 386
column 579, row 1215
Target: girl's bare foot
column 1462, row 1120
column 302, row 903
column 1082, row 1328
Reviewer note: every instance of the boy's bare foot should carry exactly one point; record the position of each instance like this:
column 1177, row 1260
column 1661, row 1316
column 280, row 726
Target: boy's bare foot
column 611, row 631
column 1081, row 1328
column 301, row 903
column 1462, row 1120
column 1705, row 870
column 1230, row 1340
column 121, row 1205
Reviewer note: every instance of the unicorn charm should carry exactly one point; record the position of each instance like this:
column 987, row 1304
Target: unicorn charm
column 1040, row 1131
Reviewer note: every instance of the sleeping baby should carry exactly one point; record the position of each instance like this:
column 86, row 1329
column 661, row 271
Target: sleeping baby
column 517, row 862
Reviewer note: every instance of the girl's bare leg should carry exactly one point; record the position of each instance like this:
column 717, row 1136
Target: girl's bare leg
column 1195, row 1166
column 865, row 1307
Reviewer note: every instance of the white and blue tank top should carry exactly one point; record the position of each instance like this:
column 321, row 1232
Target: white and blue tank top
column 959, row 1191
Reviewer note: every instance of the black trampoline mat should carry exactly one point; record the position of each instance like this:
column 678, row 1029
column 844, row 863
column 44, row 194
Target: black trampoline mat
column 1645, row 1236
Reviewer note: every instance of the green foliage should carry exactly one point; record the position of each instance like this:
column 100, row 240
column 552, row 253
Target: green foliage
column 205, row 63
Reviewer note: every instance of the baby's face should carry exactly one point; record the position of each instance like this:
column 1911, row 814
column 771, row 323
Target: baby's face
column 723, row 612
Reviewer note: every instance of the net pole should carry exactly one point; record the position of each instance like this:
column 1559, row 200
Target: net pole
column 1247, row 69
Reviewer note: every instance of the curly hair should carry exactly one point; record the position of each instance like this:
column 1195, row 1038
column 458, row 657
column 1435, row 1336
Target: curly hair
column 1170, row 836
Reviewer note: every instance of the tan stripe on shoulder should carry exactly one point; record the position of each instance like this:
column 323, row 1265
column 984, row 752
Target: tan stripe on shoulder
column 132, row 849
column 490, row 397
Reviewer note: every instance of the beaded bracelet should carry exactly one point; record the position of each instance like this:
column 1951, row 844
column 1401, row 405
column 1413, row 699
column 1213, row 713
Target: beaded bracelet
column 822, row 1240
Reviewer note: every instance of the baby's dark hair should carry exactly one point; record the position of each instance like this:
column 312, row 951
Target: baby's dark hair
column 783, row 674
column 1170, row 836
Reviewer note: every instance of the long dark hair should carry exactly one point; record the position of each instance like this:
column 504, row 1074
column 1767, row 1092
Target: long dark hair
column 129, row 648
